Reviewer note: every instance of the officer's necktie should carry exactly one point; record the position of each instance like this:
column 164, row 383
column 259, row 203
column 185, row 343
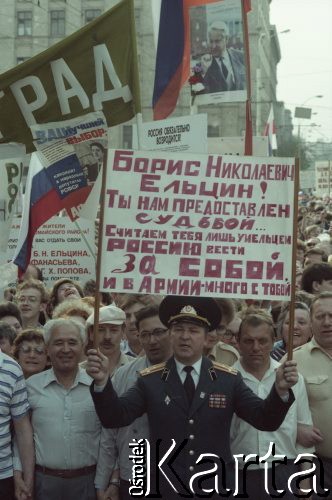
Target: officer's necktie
column 189, row 385
column 223, row 68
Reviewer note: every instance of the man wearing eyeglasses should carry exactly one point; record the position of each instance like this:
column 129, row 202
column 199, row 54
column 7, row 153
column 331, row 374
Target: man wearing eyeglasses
column 155, row 341
column 218, row 344
column 229, row 333
column 31, row 299
column 189, row 401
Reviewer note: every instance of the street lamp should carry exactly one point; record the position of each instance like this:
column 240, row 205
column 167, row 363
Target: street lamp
column 319, row 96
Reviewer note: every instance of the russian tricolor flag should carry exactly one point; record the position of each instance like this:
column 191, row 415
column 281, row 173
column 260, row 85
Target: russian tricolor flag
column 173, row 53
column 61, row 185
column 270, row 132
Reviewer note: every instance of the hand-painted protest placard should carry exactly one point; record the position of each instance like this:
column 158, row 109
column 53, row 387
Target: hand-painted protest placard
column 206, row 225
column 59, row 249
column 184, row 133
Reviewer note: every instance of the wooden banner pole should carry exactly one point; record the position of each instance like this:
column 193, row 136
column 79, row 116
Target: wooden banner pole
column 99, row 251
column 294, row 249
column 248, row 149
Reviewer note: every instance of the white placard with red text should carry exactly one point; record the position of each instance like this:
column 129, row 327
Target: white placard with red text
column 189, row 224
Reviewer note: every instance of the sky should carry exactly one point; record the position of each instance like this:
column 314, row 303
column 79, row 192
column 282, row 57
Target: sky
column 305, row 69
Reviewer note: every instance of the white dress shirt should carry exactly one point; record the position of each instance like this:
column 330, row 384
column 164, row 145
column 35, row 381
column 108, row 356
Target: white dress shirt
column 195, row 373
column 246, row 440
column 65, row 424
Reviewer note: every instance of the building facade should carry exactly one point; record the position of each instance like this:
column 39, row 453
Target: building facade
column 28, row 27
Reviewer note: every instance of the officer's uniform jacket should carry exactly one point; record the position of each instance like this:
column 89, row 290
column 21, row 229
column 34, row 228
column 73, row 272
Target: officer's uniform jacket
column 203, row 427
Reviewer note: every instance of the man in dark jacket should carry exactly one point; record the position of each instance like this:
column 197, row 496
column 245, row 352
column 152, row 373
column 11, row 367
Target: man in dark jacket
column 190, row 402
column 227, row 69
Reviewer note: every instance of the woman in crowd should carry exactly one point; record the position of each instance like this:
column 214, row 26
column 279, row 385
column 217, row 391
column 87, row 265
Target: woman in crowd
column 302, row 329
column 30, row 351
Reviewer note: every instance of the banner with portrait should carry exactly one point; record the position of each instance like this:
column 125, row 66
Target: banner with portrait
column 217, row 53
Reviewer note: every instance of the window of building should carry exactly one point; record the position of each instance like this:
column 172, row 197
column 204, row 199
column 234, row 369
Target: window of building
column 57, row 23
column 91, row 14
column 24, row 23
column 213, row 131
column 127, row 136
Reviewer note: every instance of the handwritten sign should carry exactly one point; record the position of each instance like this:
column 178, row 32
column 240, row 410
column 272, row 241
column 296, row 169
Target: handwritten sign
column 208, row 225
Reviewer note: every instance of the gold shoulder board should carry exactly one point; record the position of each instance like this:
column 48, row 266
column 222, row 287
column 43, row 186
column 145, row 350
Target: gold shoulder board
column 152, row 369
column 224, row 368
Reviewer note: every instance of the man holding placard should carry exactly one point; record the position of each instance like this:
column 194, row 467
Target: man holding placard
column 189, row 397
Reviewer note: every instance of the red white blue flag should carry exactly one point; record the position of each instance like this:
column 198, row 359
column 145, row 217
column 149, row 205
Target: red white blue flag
column 270, row 132
column 61, row 185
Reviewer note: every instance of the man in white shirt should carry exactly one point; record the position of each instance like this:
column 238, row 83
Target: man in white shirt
column 65, row 425
column 258, row 369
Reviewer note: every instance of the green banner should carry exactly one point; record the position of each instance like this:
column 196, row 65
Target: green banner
column 94, row 69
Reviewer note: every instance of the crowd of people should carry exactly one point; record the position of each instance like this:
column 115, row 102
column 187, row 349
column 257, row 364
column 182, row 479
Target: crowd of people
column 210, row 374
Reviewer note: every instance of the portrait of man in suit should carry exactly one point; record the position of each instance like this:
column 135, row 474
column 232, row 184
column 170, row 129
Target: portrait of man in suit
column 227, row 69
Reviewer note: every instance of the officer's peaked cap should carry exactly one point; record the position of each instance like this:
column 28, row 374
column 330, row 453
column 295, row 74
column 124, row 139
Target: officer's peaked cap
column 201, row 310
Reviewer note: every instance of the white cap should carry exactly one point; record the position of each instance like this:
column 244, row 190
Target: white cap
column 108, row 314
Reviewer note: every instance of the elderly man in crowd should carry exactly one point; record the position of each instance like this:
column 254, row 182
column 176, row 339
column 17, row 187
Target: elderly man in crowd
column 65, row 425
column 189, row 400
column 156, row 343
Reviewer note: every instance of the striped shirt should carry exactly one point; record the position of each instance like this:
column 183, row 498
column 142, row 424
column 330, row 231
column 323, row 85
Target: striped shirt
column 13, row 405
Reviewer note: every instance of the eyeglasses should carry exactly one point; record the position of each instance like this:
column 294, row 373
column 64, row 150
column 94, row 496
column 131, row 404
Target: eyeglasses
column 31, row 299
column 157, row 333
column 26, row 349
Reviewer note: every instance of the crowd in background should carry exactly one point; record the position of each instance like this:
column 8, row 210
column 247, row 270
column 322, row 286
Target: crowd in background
column 29, row 308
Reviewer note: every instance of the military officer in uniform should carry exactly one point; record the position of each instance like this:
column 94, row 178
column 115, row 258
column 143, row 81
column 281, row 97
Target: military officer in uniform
column 189, row 401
